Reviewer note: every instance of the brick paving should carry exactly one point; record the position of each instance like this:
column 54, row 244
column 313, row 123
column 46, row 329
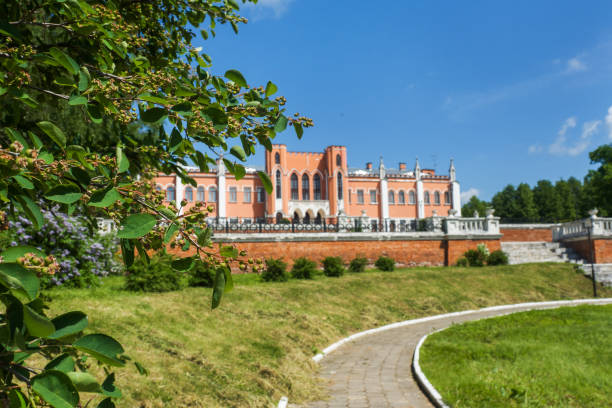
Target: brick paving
column 374, row 371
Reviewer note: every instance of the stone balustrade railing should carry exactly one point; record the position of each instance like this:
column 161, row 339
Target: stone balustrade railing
column 472, row 225
column 600, row 227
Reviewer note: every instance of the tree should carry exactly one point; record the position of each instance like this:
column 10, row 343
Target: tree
column 505, row 203
column 525, row 204
column 67, row 67
column 598, row 183
column 547, row 201
column 474, row 205
column 567, row 199
column 577, row 191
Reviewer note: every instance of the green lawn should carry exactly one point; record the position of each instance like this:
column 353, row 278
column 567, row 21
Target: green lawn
column 258, row 345
column 544, row 358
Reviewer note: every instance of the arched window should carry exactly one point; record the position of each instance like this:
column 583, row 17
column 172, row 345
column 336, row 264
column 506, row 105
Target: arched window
column 437, row 198
column 446, row 197
column 401, row 197
column 294, row 187
column 411, row 197
column 212, row 194
column 201, row 195
column 427, row 200
column 317, row 186
column 339, row 185
column 278, row 184
column 158, row 188
column 189, row 194
column 170, row 194
column 305, row 187
column 277, row 158
column 338, row 160
column 391, row 197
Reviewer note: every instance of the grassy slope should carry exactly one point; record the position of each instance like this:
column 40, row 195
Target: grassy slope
column 257, row 345
column 546, row 358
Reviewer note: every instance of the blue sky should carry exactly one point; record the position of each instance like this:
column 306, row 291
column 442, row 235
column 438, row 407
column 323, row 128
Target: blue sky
column 514, row 91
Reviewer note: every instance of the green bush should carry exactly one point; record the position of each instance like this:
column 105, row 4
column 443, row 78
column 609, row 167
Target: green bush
column 333, row 266
column 157, row 276
column 384, row 263
column 475, row 257
column 358, row 264
column 462, row 261
column 201, row 274
column 276, row 271
column 498, row 257
column 303, row 268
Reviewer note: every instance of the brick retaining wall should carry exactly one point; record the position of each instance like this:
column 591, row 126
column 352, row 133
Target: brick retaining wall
column 526, row 232
column 602, row 249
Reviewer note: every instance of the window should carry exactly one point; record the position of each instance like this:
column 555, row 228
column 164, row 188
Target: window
column 158, row 188
column 305, row 187
column 360, row 197
column 339, row 185
column 350, row 196
column 411, row 197
column 294, row 187
column 278, row 184
column 189, row 194
column 391, row 197
column 427, row 200
column 276, row 158
column 212, row 194
column 170, row 194
column 261, row 195
column 233, row 194
column 437, row 198
column 401, row 198
column 317, row 186
column 372, row 196
column 247, row 194
column 338, row 160
column 233, row 220
column 201, row 196
column 446, row 197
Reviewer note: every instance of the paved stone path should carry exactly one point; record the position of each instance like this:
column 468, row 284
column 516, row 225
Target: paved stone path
column 374, row 371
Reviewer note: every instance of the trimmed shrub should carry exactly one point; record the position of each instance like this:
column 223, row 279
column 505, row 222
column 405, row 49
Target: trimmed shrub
column 333, row 266
column 358, row 264
column 384, row 263
column 157, row 276
column 202, row 274
column 303, row 268
column 498, row 257
column 276, row 271
column 462, row 261
column 475, row 257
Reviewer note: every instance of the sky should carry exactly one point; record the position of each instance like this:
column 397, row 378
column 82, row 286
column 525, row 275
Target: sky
column 514, row 91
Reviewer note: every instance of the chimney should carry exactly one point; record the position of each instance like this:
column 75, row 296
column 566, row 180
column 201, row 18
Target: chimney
column 402, row 166
column 369, row 165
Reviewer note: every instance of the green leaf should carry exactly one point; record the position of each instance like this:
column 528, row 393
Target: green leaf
column 136, row 225
column 182, row 108
column 46, row 157
column 265, row 180
column 77, row 100
column 63, row 363
column 53, row 132
column 35, row 140
column 68, row 324
column 106, row 403
column 218, row 288
column 81, row 175
column 229, row 282
column 37, row 324
column 102, row 347
column 109, row 388
column 64, row 60
column 84, row 78
column 84, row 382
column 16, row 399
column 154, row 99
column 216, row 115
column 127, row 252
column 270, row 89
column 204, row 236
column 20, row 280
column 64, row 193
column 153, row 115
column 55, row 388
column 281, row 123
column 32, row 210
column 11, row 254
column 239, row 171
column 23, row 182
column 228, row 252
column 141, row 369
column 170, row 232
column 299, row 130
column 238, row 151
column 236, row 76
column 96, row 112
column 182, row 264
column 15, row 135
column 122, row 161
column 104, row 198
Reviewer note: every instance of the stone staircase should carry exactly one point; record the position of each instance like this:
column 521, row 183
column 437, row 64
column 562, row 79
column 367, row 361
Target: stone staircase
column 527, row 252
column 603, row 273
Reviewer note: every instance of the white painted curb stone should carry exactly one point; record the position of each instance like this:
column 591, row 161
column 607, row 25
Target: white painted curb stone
column 283, row 402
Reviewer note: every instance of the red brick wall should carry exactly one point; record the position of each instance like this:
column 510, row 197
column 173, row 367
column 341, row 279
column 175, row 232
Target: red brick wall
column 456, row 248
column 602, row 249
column 526, row 234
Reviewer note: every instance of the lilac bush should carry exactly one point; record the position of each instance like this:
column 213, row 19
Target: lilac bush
column 84, row 256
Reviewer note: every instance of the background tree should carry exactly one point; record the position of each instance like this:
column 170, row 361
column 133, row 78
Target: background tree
column 525, row 204
column 505, row 203
column 474, row 205
column 567, row 199
column 598, row 183
column 547, row 201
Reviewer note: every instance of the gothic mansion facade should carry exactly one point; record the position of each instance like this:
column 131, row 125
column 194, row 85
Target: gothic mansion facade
column 319, row 187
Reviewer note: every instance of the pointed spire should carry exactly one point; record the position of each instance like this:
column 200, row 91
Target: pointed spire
column 451, row 171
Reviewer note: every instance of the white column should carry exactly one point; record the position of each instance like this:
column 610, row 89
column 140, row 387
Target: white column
column 221, row 193
column 420, row 200
column 178, row 185
column 384, row 198
column 456, row 196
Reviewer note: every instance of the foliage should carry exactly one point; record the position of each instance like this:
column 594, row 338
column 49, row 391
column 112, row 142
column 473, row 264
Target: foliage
column 358, row 264
column 462, row 262
column 157, row 275
column 473, row 206
column 202, row 274
column 598, row 182
column 475, row 257
column 497, row 257
column 275, row 271
column 333, row 266
column 385, row 263
column 303, row 268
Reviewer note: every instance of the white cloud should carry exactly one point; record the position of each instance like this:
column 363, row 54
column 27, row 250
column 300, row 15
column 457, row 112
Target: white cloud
column 267, row 8
column 466, row 195
column 561, row 146
column 575, row 65
column 609, row 122
column 533, row 149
